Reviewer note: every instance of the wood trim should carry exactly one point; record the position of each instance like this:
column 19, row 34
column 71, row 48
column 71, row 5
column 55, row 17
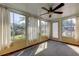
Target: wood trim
column 65, row 42
column 37, row 44
column 23, row 48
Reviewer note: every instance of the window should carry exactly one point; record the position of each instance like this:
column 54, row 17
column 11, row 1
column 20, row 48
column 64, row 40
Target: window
column 68, row 27
column 55, row 29
column 33, row 28
column 17, row 26
column 44, row 28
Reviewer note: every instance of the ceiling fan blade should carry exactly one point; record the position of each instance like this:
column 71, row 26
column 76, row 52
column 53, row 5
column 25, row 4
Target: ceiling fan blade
column 44, row 14
column 58, row 12
column 45, row 8
column 59, row 6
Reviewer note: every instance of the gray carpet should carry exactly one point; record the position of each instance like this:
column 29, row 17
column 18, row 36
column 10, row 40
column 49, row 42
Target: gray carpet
column 49, row 48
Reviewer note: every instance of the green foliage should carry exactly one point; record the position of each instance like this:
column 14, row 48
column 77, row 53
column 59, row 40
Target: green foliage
column 18, row 37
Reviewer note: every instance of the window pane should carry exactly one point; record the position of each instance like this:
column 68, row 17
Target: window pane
column 12, row 30
column 68, row 27
column 55, row 30
column 17, row 26
column 45, row 28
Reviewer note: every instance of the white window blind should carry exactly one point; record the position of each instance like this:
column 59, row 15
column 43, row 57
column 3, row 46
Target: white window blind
column 33, row 28
column 5, row 38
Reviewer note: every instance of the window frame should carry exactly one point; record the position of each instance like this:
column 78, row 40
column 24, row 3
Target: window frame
column 13, row 39
column 66, row 18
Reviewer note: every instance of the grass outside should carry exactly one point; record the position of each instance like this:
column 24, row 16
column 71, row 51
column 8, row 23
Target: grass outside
column 18, row 37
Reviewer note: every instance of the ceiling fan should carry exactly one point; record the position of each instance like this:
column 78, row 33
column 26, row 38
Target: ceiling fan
column 51, row 10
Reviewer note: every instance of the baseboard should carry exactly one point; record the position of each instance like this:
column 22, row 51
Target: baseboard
column 38, row 44
column 23, row 48
column 65, row 42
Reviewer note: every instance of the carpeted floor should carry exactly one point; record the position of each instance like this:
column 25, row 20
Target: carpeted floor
column 50, row 48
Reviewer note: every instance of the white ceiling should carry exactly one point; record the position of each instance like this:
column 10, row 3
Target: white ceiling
column 35, row 8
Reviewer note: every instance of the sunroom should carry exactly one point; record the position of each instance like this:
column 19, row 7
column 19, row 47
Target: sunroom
column 26, row 31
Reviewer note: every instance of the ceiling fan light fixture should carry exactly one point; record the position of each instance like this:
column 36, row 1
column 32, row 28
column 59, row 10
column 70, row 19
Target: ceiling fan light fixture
column 50, row 14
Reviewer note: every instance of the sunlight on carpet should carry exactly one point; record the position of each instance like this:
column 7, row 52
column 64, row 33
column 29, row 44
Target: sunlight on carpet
column 41, row 47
